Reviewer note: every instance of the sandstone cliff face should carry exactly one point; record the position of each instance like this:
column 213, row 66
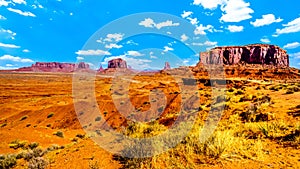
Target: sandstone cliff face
column 117, row 63
column 251, row 54
column 55, row 67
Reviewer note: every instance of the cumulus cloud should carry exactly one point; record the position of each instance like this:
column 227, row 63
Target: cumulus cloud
column 149, row 23
column 92, row 52
column 4, row 3
column 295, row 55
column 114, row 37
column 265, row 40
column 133, row 53
column 113, row 45
column 21, row 12
column 184, row 37
column 235, row 11
column 292, row 45
column 208, row 4
column 8, row 45
column 10, row 33
column 234, row 28
column 206, row 43
column 266, row 20
column 79, row 58
column 26, row 51
column 19, row 1
column 152, row 55
column 200, row 30
column 15, row 59
column 2, row 17
column 186, row 14
column 291, row 27
column 167, row 48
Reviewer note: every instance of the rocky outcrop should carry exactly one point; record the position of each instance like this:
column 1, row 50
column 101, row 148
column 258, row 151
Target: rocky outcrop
column 250, row 54
column 117, row 63
column 55, row 67
column 167, row 66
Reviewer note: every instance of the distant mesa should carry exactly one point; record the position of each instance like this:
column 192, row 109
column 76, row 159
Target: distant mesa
column 263, row 54
column 55, row 67
column 117, row 63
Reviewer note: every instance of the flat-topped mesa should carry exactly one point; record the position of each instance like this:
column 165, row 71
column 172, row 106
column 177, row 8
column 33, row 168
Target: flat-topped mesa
column 250, row 54
column 117, row 63
column 55, row 67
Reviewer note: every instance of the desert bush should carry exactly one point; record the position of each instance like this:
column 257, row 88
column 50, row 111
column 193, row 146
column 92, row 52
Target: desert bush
column 50, row 115
column 7, row 161
column 17, row 144
column 98, row 118
column 94, row 165
column 37, row 163
column 33, row 145
column 59, row 134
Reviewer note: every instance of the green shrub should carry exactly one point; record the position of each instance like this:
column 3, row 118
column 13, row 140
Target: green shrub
column 59, row 134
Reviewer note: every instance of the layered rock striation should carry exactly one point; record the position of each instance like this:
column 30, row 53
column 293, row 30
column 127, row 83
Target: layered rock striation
column 250, row 54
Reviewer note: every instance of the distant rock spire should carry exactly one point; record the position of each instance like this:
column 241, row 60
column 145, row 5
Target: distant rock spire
column 100, row 69
column 167, row 66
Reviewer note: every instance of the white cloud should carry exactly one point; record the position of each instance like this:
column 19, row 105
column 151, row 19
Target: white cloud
column 15, row 59
column 11, row 33
column 149, row 23
column 4, row 3
column 295, row 55
column 184, row 38
column 291, row 27
column 79, row 58
column 206, row 43
column 234, row 28
column 131, row 42
column 265, row 40
column 235, row 11
column 134, row 53
column 8, row 45
column 266, row 20
column 193, row 21
column 200, row 30
column 186, row 14
column 9, row 65
column 167, row 48
column 21, row 12
column 19, row 1
column 114, row 37
column 92, row 52
column 2, row 17
column 113, row 45
column 208, row 4
column 26, row 51
column 152, row 55
column 292, row 45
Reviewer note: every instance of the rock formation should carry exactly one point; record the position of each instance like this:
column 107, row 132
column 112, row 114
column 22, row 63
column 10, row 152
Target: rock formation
column 117, row 63
column 250, row 54
column 55, row 67
column 167, row 66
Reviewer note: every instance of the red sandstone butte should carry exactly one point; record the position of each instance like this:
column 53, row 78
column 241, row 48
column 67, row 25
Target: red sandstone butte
column 250, row 54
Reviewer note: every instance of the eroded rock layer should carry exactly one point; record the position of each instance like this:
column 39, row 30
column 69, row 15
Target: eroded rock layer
column 251, row 54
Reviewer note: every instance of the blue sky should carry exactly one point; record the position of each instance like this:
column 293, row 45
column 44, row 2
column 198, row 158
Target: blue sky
column 91, row 31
